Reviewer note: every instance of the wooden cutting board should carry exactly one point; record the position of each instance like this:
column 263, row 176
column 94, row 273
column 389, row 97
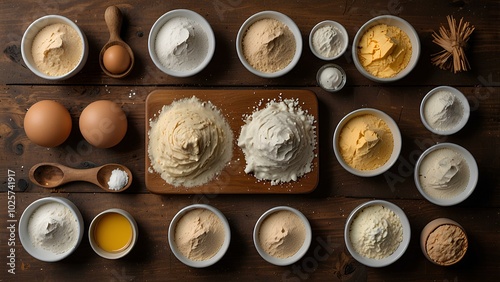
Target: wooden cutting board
column 233, row 104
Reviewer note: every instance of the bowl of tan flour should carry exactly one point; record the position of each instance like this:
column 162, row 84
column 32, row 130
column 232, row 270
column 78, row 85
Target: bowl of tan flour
column 54, row 48
column 269, row 44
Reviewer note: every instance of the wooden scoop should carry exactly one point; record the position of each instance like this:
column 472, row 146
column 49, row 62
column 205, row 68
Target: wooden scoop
column 113, row 17
column 52, row 175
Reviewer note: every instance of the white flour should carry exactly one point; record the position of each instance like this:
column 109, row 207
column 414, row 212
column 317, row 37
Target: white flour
column 181, row 44
column 278, row 142
column 443, row 110
column 376, row 232
column 54, row 228
column 328, row 41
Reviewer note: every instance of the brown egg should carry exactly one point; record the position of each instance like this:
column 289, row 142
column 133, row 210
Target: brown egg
column 116, row 59
column 103, row 124
column 47, row 123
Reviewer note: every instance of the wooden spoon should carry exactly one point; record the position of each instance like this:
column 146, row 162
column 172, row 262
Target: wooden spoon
column 113, row 17
column 52, row 175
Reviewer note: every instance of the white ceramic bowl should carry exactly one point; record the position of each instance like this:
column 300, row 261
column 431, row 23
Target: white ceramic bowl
column 391, row 21
column 202, row 263
column 325, row 87
column 24, row 236
column 279, row 17
column 396, row 134
column 458, row 95
column 403, row 245
column 302, row 250
column 471, row 184
column 113, row 255
column 192, row 16
column 342, row 34
column 32, row 31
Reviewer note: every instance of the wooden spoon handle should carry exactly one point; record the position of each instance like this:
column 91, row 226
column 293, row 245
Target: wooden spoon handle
column 113, row 17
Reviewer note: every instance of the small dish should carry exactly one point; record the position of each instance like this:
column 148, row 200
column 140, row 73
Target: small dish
column 199, row 263
column 396, row 134
column 400, row 250
column 299, row 253
column 279, row 17
column 330, row 81
column 341, row 32
column 471, row 183
column 32, row 31
column 191, row 15
column 459, row 96
column 39, row 252
column 391, row 21
column 116, row 226
column 444, row 251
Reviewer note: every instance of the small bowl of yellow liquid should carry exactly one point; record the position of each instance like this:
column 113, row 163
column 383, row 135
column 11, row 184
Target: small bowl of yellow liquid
column 113, row 233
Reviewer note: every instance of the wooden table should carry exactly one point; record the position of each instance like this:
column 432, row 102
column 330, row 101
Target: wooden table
column 338, row 191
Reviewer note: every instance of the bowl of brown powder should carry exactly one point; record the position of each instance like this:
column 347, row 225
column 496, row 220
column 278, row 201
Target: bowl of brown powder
column 54, row 48
column 269, row 44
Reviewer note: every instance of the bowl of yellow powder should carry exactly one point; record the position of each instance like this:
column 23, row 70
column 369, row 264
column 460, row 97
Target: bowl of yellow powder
column 377, row 233
column 269, row 44
column 386, row 48
column 199, row 235
column 367, row 142
column 282, row 235
column 54, row 48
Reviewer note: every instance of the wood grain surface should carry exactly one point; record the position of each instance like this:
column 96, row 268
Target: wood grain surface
column 327, row 207
column 234, row 105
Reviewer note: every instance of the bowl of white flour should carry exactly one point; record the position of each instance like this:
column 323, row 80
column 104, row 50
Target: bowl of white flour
column 377, row 233
column 181, row 43
column 51, row 228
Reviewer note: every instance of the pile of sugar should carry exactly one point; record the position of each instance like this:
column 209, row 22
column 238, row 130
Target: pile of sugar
column 278, row 141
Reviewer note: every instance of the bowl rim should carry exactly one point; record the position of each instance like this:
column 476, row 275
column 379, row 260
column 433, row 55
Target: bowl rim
column 473, row 174
column 343, row 32
column 33, row 29
column 41, row 254
column 415, row 47
column 396, row 134
column 110, row 255
column 192, row 15
column 285, row 20
column 299, row 254
column 460, row 96
column 399, row 252
column 204, row 263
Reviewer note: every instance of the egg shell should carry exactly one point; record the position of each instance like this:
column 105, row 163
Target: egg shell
column 103, row 124
column 116, row 59
column 47, row 123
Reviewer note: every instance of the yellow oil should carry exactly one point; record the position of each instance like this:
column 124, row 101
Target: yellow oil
column 113, row 232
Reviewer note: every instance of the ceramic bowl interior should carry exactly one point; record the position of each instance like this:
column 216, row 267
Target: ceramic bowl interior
column 397, row 253
column 338, row 88
column 395, row 133
column 391, row 21
column 302, row 250
column 342, row 33
column 279, row 17
column 32, row 31
column 203, row 263
column 458, row 95
column 119, row 254
column 185, row 14
column 471, row 184
column 24, row 236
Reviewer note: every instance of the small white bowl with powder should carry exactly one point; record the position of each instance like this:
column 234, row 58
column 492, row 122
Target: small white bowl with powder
column 377, row 233
column 444, row 110
column 446, row 174
column 328, row 40
column 51, row 228
column 331, row 77
column 181, row 43
column 282, row 235
column 199, row 235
